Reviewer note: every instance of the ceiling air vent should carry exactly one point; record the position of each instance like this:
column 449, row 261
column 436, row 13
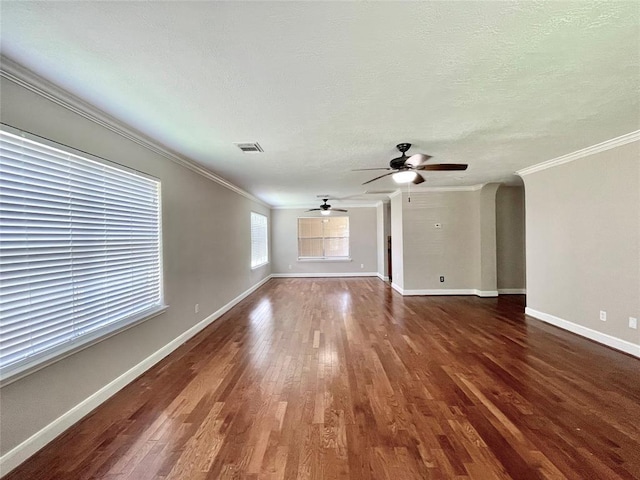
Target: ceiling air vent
column 249, row 147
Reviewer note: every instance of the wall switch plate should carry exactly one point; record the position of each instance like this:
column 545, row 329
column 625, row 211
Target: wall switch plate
column 441, row 279
column 437, row 225
column 603, row 315
column 633, row 322
column 196, row 308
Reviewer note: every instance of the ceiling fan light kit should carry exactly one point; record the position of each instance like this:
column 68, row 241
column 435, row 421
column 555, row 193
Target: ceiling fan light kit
column 405, row 169
column 404, row 176
column 326, row 209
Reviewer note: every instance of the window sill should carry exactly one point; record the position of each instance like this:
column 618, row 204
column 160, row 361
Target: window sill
column 325, row 260
column 40, row 361
column 260, row 266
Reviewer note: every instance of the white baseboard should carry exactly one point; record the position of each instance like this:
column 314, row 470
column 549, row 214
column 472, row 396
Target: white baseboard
column 445, row 291
column 605, row 339
column 31, row 445
column 384, row 278
column 512, row 291
column 323, row 275
column 397, row 288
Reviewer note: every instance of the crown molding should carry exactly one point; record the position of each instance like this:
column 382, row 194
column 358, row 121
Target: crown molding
column 459, row 188
column 25, row 78
column 585, row 152
column 315, row 205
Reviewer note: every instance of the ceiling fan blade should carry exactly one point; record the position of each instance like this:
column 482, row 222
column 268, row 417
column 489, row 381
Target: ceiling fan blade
column 418, row 180
column 363, row 169
column 337, row 210
column 314, row 209
column 443, row 166
column 417, row 159
column 374, row 179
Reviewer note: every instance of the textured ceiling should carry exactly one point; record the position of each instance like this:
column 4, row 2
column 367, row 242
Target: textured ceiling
column 329, row 87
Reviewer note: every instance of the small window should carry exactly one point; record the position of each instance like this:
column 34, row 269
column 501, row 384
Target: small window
column 80, row 251
column 323, row 238
column 259, row 240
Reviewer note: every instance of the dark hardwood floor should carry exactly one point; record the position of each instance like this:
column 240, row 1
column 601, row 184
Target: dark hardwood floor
column 344, row 378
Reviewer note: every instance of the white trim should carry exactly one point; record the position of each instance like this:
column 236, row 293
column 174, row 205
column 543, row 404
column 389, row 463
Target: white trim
column 603, row 338
column 443, row 291
column 384, row 278
column 324, row 259
column 585, row 152
column 486, row 293
column 512, row 291
column 308, row 206
column 323, row 275
column 38, row 85
column 35, row 442
column 460, row 188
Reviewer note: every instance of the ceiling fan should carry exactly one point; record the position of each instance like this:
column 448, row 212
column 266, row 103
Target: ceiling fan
column 325, row 208
column 405, row 169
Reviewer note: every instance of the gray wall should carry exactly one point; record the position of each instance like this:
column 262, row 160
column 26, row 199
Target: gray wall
column 383, row 219
column 510, row 245
column 452, row 251
column 397, row 241
column 583, row 240
column 362, row 243
column 206, row 250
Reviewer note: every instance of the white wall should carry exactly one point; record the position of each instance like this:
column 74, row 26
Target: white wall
column 206, row 251
column 362, row 244
column 583, row 245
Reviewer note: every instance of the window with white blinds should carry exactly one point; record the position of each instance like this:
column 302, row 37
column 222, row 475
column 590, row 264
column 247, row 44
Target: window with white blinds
column 80, row 251
column 259, row 240
column 323, row 238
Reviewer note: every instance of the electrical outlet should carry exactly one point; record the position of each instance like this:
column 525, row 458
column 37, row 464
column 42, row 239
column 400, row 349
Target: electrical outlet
column 289, row 267
column 441, row 279
column 603, row 315
column 196, row 308
column 362, row 265
column 633, row 323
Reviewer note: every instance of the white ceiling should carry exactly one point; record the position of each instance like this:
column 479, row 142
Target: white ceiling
column 329, row 87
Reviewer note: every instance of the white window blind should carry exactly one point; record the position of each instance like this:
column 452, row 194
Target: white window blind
column 259, row 240
column 323, row 238
column 80, row 252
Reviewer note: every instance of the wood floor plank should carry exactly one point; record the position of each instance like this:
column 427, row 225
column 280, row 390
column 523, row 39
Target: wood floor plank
column 346, row 379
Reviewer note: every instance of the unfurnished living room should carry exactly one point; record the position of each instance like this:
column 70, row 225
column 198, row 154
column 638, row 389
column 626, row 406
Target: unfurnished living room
column 319, row 240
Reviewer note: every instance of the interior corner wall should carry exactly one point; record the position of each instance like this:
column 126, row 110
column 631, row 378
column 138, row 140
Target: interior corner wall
column 510, row 238
column 380, row 253
column 206, row 256
column 397, row 242
column 583, row 244
column 362, row 245
column 488, row 284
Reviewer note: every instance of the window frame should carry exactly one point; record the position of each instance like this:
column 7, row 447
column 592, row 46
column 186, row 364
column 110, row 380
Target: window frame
column 266, row 240
column 324, row 258
column 34, row 362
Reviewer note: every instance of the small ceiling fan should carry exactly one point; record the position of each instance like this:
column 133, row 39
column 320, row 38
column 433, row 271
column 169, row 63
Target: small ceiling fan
column 325, row 208
column 405, row 169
